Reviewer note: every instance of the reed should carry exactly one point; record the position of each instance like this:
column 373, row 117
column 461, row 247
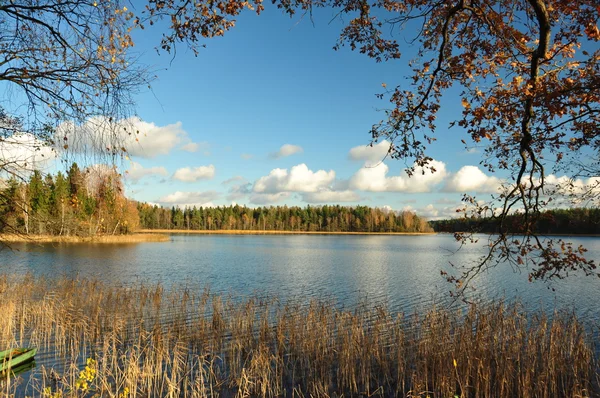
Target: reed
column 131, row 238
column 145, row 340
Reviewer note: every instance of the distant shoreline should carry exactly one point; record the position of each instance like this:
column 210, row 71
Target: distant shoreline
column 575, row 235
column 130, row 238
column 259, row 232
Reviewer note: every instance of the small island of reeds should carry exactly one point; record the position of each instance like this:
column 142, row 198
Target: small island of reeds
column 146, row 340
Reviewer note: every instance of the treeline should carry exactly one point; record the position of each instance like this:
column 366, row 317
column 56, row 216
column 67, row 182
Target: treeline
column 81, row 203
column 559, row 221
column 282, row 218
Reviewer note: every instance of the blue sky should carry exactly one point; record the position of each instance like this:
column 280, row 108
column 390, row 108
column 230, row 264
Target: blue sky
column 270, row 114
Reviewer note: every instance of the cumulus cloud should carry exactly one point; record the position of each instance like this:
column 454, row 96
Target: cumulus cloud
column 192, row 174
column 136, row 172
column 375, row 179
column 432, row 212
column 298, row 179
column 20, row 152
column 567, row 185
column 189, row 199
column 286, row 150
column 567, row 192
column 137, row 137
column 329, row 196
column 370, row 154
column 268, row 198
column 472, row 179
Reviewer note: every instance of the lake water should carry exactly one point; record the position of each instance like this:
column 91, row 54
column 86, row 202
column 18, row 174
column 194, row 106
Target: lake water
column 402, row 272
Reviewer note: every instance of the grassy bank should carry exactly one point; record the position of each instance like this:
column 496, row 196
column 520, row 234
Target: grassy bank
column 145, row 341
column 130, row 238
column 260, row 232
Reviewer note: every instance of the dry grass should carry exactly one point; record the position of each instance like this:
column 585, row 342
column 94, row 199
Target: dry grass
column 131, row 238
column 146, row 341
column 260, row 232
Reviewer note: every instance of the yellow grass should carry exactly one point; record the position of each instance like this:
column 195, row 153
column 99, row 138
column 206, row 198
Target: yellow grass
column 131, row 238
column 260, row 232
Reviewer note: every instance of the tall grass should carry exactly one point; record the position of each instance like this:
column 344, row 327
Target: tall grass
column 130, row 238
column 148, row 341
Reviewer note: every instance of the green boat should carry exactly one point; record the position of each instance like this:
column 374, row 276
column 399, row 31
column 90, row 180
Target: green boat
column 15, row 357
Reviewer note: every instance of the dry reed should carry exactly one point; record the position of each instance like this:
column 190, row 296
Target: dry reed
column 131, row 238
column 145, row 340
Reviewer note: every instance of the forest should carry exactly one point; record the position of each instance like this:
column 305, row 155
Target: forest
column 557, row 221
column 91, row 202
column 327, row 218
column 84, row 202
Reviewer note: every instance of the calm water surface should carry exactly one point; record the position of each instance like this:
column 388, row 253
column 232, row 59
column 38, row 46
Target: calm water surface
column 401, row 271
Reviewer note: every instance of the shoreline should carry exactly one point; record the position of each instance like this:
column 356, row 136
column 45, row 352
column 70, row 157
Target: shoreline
column 259, row 232
column 131, row 238
column 573, row 235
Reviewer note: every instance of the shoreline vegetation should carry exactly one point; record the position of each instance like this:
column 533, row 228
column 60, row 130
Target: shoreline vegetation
column 129, row 238
column 555, row 222
column 272, row 232
column 142, row 340
column 325, row 218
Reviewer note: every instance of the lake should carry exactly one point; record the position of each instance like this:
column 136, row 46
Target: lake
column 402, row 272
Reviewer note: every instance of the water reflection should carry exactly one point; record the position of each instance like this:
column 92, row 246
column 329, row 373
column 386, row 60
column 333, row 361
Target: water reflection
column 401, row 271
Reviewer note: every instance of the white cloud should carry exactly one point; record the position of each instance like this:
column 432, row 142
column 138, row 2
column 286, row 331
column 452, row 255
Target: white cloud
column 375, row 179
column 329, row 196
column 568, row 192
column 370, row 154
column 286, row 150
column 137, row 137
column 567, row 185
column 20, row 152
column 298, row 179
column 136, row 172
column 431, row 212
column 387, row 209
column 268, row 198
column 194, row 147
column 472, row 179
column 189, row 199
column 246, row 156
column 189, row 174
